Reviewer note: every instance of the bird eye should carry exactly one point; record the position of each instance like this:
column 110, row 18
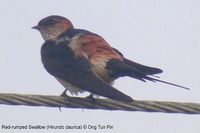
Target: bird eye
column 51, row 22
column 47, row 22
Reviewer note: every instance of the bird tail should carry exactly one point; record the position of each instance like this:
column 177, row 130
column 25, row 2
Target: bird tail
column 165, row 82
column 138, row 71
column 144, row 77
column 145, row 69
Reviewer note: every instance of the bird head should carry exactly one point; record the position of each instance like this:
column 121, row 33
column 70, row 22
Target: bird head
column 53, row 26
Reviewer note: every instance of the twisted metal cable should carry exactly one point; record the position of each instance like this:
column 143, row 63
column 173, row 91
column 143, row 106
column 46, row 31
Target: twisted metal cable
column 104, row 104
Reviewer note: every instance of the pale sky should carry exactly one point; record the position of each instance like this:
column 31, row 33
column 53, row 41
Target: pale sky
column 160, row 33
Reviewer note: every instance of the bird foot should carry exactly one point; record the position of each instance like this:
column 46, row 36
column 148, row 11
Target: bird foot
column 64, row 94
column 91, row 98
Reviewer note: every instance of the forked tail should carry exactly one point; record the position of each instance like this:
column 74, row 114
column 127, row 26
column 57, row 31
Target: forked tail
column 169, row 83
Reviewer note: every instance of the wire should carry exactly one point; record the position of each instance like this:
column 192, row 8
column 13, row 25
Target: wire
column 103, row 104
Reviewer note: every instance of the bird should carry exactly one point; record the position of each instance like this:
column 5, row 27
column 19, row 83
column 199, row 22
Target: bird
column 84, row 61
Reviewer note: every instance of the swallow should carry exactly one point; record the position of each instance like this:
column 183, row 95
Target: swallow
column 83, row 61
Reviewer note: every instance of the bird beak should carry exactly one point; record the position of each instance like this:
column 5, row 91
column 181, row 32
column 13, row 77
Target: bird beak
column 36, row 27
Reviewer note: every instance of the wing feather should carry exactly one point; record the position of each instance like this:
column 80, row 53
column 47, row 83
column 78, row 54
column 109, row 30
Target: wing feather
column 60, row 61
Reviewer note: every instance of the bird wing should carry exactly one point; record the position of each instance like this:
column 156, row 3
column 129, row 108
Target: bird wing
column 100, row 51
column 97, row 51
column 101, row 55
column 95, row 47
column 62, row 62
column 109, row 62
column 145, row 69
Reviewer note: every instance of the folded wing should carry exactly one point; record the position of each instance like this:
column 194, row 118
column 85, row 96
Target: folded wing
column 60, row 61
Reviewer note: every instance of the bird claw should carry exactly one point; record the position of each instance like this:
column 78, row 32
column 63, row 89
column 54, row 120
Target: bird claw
column 64, row 94
column 91, row 98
